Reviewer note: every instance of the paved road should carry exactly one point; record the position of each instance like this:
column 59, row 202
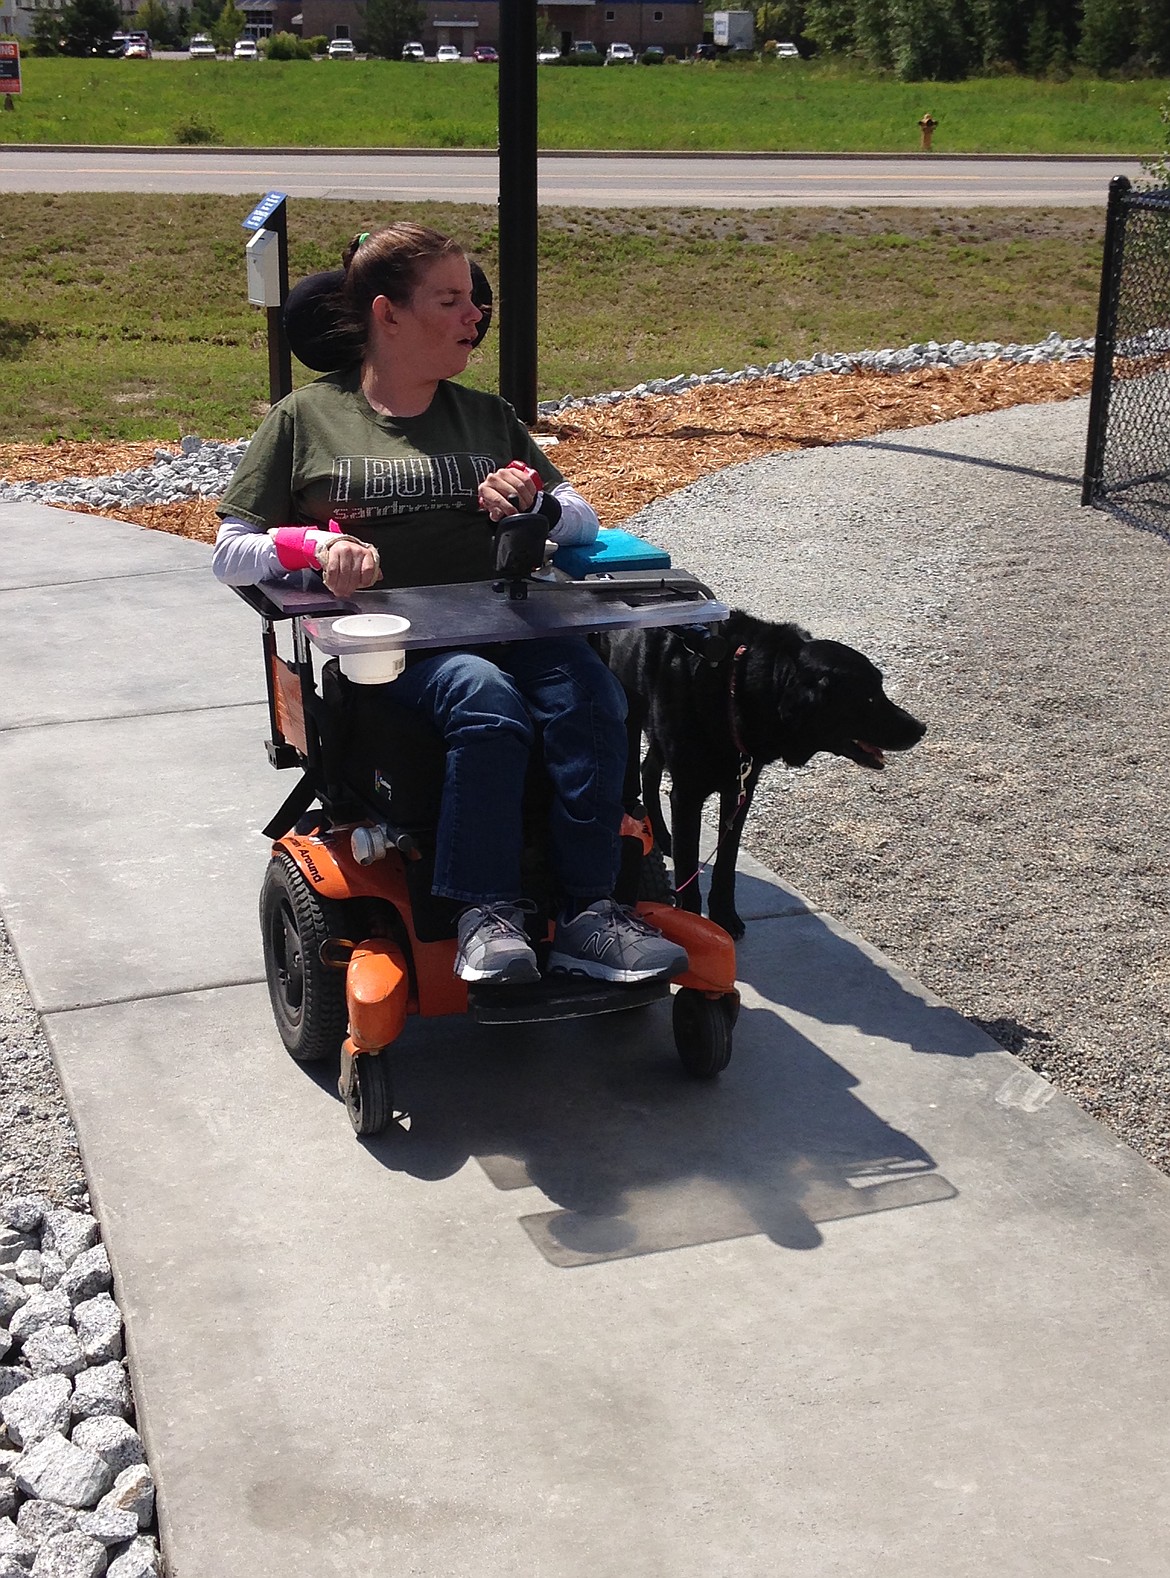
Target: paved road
column 605, row 182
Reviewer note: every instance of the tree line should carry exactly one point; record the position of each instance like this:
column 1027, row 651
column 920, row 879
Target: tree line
column 946, row 40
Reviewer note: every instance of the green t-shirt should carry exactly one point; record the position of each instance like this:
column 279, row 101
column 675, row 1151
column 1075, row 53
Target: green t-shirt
column 409, row 485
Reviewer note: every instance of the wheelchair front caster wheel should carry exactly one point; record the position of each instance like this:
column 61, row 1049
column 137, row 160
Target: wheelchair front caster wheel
column 702, row 1031
column 367, row 1090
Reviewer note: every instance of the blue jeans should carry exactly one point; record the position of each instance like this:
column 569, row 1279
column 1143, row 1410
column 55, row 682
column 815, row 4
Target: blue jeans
column 488, row 712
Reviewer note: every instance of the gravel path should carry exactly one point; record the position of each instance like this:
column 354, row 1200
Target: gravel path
column 1015, row 863
column 38, row 1148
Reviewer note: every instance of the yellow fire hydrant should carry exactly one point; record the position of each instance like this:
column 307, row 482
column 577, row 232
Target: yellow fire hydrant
column 926, row 126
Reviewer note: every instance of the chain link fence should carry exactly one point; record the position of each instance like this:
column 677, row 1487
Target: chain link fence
column 1127, row 461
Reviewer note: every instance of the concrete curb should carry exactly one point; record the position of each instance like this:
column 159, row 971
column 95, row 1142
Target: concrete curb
column 575, row 153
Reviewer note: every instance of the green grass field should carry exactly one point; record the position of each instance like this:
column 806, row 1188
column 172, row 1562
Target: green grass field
column 783, row 105
column 126, row 316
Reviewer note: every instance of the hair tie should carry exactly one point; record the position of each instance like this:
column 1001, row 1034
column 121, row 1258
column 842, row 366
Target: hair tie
column 365, row 236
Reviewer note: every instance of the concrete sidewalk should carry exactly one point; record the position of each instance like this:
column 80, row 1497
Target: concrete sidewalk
column 560, row 1327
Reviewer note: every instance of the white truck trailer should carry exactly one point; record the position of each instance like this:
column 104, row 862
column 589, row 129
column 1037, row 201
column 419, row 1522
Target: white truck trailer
column 733, row 29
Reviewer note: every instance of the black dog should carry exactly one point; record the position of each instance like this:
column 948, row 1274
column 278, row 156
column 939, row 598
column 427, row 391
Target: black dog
column 766, row 693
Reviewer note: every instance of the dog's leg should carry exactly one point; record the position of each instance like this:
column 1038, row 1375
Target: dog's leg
column 685, row 820
column 652, row 798
column 732, row 816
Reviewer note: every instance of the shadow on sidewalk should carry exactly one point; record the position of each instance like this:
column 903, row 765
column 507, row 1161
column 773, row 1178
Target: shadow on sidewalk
column 637, row 1157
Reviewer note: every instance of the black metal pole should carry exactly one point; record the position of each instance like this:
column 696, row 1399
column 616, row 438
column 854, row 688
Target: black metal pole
column 1106, row 332
column 279, row 354
column 518, row 206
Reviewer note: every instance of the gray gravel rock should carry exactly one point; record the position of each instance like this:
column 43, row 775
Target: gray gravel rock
column 7, row 1495
column 99, row 1329
column 133, row 1491
column 24, row 1212
column 56, row 1470
column 13, row 1294
column 27, row 1267
column 40, row 1519
column 88, row 1275
column 70, row 1555
column 15, row 1545
column 54, row 1350
column 52, row 1268
column 38, row 1409
column 12, row 1376
column 11, row 1568
column 69, row 1233
column 13, row 1244
column 102, row 1390
column 110, row 1525
column 141, row 1560
column 40, row 1310
column 113, row 1439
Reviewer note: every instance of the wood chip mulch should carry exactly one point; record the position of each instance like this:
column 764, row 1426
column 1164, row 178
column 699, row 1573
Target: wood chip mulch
column 623, row 457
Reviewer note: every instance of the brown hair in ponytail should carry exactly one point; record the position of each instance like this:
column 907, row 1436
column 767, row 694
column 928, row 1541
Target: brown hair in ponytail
column 391, row 263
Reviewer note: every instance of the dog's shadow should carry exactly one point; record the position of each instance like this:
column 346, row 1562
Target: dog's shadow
column 635, row 1156
column 819, row 970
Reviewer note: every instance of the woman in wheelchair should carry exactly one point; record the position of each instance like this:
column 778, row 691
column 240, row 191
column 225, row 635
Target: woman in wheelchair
column 397, row 477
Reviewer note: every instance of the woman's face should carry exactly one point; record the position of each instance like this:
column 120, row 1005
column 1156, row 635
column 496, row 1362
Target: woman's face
column 434, row 333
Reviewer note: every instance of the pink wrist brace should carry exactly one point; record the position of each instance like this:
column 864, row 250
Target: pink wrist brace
column 295, row 547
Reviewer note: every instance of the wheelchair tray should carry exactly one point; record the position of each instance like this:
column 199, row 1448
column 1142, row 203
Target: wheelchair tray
column 475, row 613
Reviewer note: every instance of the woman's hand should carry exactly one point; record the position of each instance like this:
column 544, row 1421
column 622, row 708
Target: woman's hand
column 348, row 565
column 510, row 491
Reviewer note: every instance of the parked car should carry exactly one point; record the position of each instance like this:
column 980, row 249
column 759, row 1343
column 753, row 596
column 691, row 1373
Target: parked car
column 413, row 52
column 619, row 55
column 653, row 55
column 543, row 56
column 448, row 52
column 246, row 50
column 787, row 52
column 584, row 47
column 485, row 54
column 136, row 50
column 201, row 48
column 341, row 49
column 705, row 52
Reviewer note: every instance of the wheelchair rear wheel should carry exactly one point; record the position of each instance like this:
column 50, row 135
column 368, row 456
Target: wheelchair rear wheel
column 308, row 997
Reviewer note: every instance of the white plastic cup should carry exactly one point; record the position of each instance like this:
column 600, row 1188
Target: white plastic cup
column 375, row 667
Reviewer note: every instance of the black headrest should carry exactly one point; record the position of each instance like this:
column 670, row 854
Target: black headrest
column 314, row 331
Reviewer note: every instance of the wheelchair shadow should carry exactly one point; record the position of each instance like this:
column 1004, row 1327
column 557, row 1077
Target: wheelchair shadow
column 637, row 1157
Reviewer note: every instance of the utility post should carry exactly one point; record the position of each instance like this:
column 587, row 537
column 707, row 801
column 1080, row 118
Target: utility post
column 518, row 206
column 267, row 255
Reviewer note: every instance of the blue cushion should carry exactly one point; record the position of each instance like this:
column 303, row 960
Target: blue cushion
column 614, row 550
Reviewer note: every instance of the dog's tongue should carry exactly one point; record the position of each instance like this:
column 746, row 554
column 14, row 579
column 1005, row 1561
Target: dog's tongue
column 876, row 756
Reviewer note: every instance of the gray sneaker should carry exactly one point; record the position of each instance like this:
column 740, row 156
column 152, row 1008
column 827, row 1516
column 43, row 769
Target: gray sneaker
column 610, row 943
column 493, row 948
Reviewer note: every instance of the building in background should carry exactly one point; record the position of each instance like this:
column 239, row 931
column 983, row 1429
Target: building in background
column 677, row 25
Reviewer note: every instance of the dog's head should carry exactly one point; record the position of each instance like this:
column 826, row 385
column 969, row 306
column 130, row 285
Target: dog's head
column 840, row 706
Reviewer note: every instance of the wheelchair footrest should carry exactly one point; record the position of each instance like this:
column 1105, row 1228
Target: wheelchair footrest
column 558, row 997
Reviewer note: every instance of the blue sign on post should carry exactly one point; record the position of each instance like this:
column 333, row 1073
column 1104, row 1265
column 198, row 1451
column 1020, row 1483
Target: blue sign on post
column 263, row 210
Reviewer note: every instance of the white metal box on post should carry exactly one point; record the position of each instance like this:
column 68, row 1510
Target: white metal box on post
column 263, row 255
